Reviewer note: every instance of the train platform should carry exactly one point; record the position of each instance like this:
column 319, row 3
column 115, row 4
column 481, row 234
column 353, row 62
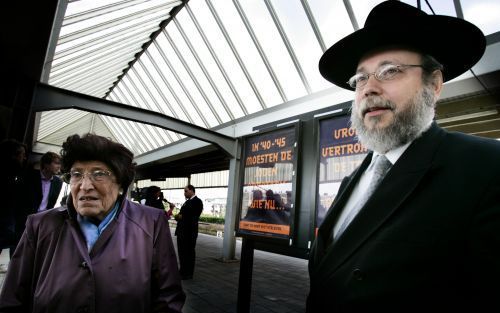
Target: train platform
column 279, row 283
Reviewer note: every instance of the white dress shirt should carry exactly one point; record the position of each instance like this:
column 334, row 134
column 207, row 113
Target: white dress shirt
column 364, row 182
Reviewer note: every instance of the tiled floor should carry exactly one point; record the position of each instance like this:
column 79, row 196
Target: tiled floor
column 280, row 284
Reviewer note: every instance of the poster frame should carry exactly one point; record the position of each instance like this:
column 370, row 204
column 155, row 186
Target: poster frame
column 270, row 237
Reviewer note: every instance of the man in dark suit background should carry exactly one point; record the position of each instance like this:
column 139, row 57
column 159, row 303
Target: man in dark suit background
column 12, row 189
column 428, row 237
column 45, row 185
column 34, row 191
column 187, row 231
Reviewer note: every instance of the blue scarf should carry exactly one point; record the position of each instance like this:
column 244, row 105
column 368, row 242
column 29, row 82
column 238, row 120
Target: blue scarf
column 92, row 231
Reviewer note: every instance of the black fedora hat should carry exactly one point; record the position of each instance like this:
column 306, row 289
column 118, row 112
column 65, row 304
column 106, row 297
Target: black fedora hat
column 455, row 43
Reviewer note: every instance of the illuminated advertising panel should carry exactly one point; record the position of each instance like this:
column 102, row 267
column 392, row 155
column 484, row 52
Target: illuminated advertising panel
column 269, row 169
column 339, row 155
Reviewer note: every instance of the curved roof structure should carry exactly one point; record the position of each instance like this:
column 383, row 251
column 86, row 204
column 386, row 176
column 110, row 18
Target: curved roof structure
column 212, row 63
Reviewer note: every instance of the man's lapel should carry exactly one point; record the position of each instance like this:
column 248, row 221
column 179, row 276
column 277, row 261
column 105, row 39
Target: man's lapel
column 53, row 192
column 400, row 181
column 323, row 241
column 184, row 206
column 345, row 190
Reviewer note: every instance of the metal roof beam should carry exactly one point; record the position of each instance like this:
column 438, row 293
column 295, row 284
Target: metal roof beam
column 314, row 25
column 51, row 98
column 350, row 12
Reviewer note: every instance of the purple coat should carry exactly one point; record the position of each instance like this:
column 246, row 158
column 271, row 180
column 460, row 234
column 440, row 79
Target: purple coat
column 131, row 268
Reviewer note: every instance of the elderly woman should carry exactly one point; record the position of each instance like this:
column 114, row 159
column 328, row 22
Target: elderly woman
column 103, row 253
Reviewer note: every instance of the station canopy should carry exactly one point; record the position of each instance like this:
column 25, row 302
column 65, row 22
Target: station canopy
column 207, row 62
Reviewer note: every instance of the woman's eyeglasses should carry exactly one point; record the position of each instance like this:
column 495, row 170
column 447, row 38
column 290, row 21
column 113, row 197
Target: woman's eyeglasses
column 75, row 177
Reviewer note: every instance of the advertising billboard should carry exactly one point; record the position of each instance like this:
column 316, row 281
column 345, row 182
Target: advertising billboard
column 267, row 195
column 339, row 155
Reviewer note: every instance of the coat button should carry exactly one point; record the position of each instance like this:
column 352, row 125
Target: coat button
column 357, row 274
column 84, row 265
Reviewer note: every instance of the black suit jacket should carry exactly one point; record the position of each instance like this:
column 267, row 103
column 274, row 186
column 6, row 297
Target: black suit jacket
column 427, row 240
column 35, row 186
column 190, row 211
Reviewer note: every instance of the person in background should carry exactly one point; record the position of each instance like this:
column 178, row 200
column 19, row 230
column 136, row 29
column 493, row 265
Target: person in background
column 43, row 184
column 12, row 189
column 154, row 198
column 103, row 253
column 170, row 210
column 428, row 237
column 187, row 231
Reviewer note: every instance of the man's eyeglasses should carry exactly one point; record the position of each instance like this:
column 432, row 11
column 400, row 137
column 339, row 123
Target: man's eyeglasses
column 383, row 73
column 75, row 177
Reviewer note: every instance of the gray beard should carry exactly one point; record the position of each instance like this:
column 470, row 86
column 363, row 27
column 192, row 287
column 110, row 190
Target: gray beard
column 406, row 126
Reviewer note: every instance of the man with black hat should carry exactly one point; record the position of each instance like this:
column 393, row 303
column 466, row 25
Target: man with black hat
column 416, row 228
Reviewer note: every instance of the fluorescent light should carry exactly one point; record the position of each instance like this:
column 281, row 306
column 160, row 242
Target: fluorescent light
column 467, row 116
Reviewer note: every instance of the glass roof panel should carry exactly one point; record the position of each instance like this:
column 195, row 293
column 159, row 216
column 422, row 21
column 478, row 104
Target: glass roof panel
column 184, row 86
column 77, row 7
column 131, row 91
column 274, row 48
column 175, row 90
column 68, row 80
column 216, row 61
column 172, row 106
column 362, row 8
column 125, row 34
column 332, row 19
column 150, row 91
column 136, row 143
column 202, row 48
column 111, row 28
column 300, row 33
column 125, row 94
column 247, row 51
column 143, row 23
column 120, row 133
column 210, row 98
column 140, row 93
column 123, row 40
column 97, row 65
column 193, row 77
column 110, row 17
column 484, row 13
column 225, row 55
column 102, row 59
column 117, row 50
column 441, row 7
column 55, row 120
